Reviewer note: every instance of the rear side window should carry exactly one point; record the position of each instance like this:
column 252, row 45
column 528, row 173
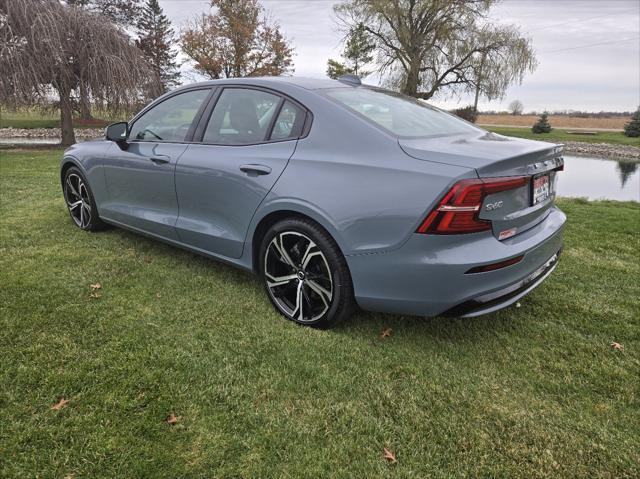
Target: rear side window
column 401, row 115
column 241, row 116
column 289, row 122
column 169, row 120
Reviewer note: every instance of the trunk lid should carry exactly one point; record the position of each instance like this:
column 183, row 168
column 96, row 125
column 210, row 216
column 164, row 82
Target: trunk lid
column 512, row 211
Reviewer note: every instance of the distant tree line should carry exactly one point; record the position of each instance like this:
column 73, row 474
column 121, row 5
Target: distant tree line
column 568, row 113
column 117, row 54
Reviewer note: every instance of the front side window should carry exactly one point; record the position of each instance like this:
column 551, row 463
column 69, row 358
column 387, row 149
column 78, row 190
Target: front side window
column 241, row 117
column 400, row 115
column 170, row 120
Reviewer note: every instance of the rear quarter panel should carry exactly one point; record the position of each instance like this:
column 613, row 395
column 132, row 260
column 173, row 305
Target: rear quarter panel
column 359, row 183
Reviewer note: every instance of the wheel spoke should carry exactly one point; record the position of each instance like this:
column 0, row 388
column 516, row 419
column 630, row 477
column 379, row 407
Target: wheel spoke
column 81, row 217
column 298, row 309
column 74, row 205
column 81, row 187
column 73, row 189
column 285, row 253
column 306, row 257
column 282, row 253
column 324, row 294
column 87, row 213
column 272, row 282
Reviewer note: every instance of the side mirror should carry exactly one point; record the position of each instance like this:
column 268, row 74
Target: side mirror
column 117, row 132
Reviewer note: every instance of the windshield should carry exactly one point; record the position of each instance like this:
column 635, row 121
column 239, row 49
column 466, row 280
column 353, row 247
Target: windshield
column 401, row 115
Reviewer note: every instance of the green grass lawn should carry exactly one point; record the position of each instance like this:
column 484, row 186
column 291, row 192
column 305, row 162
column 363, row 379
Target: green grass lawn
column 559, row 135
column 535, row 391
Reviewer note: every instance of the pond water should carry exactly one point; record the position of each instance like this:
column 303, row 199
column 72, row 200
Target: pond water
column 598, row 179
column 592, row 178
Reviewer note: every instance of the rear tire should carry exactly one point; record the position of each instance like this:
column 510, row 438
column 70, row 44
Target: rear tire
column 305, row 274
column 80, row 202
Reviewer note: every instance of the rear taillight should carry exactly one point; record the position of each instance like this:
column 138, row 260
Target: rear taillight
column 457, row 212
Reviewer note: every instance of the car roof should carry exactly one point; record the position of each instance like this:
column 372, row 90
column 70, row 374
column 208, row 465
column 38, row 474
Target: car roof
column 302, row 82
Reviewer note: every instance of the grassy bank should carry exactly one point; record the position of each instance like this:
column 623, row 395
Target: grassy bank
column 535, row 391
column 560, row 135
column 51, row 119
column 559, row 121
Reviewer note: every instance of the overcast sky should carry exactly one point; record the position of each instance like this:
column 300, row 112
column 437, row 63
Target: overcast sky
column 588, row 50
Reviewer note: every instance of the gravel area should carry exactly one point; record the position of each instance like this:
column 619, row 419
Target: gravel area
column 603, row 150
column 49, row 133
column 598, row 150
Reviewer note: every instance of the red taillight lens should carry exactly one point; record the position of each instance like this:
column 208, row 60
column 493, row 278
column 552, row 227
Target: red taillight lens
column 457, row 212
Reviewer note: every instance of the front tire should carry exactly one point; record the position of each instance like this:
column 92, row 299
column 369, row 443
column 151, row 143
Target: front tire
column 80, row 201
column 305, row 275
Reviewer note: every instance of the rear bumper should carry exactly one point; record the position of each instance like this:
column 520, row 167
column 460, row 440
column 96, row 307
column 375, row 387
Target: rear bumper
column 501, row 299
column 426, row 276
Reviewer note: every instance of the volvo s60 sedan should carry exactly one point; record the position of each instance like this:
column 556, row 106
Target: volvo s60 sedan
column 335, row 193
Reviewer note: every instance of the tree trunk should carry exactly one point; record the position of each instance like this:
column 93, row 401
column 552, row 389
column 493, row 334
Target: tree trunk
column 66, row 118
column 85, row 104
column 479, row 83
column 413, row 79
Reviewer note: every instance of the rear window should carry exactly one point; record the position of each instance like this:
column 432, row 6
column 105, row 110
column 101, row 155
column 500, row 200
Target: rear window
column 399, row 114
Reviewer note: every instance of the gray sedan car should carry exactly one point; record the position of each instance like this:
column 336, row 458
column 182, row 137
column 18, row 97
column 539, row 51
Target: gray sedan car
column 335, row 193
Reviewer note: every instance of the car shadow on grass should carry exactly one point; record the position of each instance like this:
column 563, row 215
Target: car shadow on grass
column 453, row 329
column 361, row 323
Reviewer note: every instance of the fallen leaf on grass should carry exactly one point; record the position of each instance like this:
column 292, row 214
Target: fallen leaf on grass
column 158, row 295
column 95, row 295
column 171, row 419
column 95, row 286
column 60, row 404
column 386, row 333
column 389, row 456
column 617, row 346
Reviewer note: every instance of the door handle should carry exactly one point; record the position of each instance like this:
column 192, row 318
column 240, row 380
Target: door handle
column 160, row 159
column 256, row 169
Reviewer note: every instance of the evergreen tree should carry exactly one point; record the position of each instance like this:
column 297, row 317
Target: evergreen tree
column 335, row 69
column 543, row 125
column 358, row 53
column 632, row 128
column 155, row 37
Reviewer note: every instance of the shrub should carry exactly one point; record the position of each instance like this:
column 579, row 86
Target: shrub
column 468, row 113
column 542, row 125
column 632, row 128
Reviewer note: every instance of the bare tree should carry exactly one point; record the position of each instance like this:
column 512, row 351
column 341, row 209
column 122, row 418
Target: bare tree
column 47, row 47
column 427, row 46
column 124, row 13
column 516, row 107
column 237, row 40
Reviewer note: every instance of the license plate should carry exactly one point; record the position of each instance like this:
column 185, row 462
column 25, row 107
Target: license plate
column 541, row 188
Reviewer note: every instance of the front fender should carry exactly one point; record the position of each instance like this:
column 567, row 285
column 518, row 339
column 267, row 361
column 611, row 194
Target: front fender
column 89, row 158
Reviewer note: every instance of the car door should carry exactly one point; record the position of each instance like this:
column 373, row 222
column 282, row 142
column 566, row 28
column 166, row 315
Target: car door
column 245, row 144
column 140, row 176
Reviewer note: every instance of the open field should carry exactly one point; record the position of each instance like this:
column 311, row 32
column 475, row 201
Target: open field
column 560, row 135
column 557, row 121
column 535, row 391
